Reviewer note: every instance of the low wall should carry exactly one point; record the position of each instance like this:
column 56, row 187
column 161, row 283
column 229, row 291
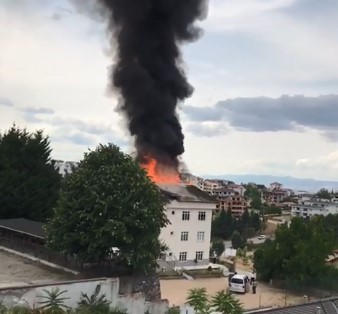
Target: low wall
column 30, row 296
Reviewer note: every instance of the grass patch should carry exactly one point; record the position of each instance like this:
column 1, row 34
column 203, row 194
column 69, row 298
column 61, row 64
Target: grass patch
column 229, row 264
column 205, row 273
column 170, row 275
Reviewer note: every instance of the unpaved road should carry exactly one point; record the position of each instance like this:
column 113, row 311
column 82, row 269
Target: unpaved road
column 175, row 291
column 15, row 271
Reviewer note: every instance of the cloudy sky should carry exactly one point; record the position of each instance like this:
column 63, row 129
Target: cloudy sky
column 265, row 75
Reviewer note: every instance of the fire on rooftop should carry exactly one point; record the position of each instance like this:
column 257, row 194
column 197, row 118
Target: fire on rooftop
column 161, row 173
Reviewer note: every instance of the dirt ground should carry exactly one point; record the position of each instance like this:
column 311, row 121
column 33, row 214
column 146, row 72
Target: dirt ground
column 175, row 291
column 271, row 227
column 15, row 271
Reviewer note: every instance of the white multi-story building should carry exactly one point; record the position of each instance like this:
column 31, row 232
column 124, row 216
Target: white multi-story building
column 210, row 185
column 187, row 237
column 314, row 207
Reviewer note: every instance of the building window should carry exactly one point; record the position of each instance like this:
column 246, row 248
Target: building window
column 201, row 215
column 199, row 255
column 185, row 215
column 184, row 236
column 183, row 256
column 200, row 236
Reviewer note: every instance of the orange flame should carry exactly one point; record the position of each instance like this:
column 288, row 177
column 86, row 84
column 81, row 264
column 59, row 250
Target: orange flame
column 160, row 173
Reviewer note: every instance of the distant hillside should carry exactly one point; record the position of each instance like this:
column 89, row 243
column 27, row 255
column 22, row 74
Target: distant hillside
column 310, row 185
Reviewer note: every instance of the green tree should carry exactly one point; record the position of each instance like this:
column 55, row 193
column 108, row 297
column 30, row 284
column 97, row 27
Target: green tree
column 272, row 210
column 256, row 202
column 218, row 246
column 245, row 218
column 226, row 303
column 109, row 201
column 54, row 301
column 221, row 302
column 255, row 221
column 254, row 194
column 298, row 252
column 29, row 181
column 95, row 303
column 198, row 300
column 324, row 193
column 219, row 227
column 237, row 240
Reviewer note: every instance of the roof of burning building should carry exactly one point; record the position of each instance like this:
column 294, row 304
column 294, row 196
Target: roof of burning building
column 185, row 193
column 25, row 226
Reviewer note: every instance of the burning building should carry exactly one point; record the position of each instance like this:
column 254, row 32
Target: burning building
column 187, row 237
column 148, row 75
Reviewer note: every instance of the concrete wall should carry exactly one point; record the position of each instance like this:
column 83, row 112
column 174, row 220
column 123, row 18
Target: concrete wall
column 30, row 296
column 171, row 234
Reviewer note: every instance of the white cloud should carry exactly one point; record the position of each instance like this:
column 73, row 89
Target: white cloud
column 322, row 164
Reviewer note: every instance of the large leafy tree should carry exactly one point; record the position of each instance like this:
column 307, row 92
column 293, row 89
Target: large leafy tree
column 108, row 201
column 217, row 247
column 29, row 182
column 237, row 240
column 298, row 252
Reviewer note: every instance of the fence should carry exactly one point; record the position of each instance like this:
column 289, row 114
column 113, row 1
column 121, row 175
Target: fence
column 322, row 288
column 35, row 247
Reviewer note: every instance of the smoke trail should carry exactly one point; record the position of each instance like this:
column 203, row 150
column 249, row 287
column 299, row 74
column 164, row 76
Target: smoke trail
column 148, row 72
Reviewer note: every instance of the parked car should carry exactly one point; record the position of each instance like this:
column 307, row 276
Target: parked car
column 262, row 237
column 239, row 283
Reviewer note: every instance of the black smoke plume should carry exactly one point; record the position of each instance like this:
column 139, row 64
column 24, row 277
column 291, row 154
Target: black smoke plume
column 147, row 69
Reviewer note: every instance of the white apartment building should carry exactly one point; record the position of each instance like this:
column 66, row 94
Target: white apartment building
column 224, row 192
column 210, row 185
column 314, row 207
column 187, row 237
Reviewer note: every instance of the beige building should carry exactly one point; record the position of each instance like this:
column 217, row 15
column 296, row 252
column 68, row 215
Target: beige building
column 187, row 237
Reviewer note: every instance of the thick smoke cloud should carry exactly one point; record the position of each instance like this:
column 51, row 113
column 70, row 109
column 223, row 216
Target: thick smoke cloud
column 148, row 72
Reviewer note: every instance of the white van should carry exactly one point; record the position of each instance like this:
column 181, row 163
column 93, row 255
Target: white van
column 239, row 283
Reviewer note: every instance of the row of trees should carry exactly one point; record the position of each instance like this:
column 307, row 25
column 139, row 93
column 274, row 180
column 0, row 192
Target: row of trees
column 224, row 225
column 298, row 252
column 108, row 201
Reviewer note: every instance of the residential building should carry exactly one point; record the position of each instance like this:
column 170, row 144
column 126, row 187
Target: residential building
column 276, row 185
column 236, row 203
column 210, row 185
column 240, row 189
column 275, row 194
column 314, row 207
column 223, row 192
column 187, row 237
